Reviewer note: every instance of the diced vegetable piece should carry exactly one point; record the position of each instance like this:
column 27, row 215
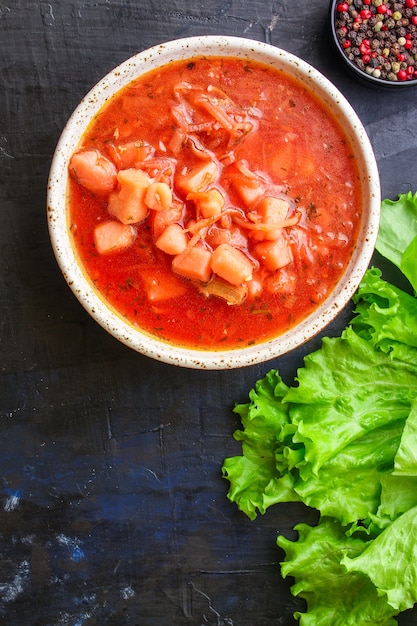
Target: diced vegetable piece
column 158, row 196
column 161, row 219
column 215, row 236
column 198, row 178
column 272, row 211
column 173, row 240
column 249, row 190
column 231, row 264
column 231, row 234
column 248, row 185
column 274, row 254
column 129, row 154
column 209, row 203
column 282, row 281
column 93, row 171
column 194, row 263
column 162, row 287
column 127, row 203
column 255, row 287
column 113, row 236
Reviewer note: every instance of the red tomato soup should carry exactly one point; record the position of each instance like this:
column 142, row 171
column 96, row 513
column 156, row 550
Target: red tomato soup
column 214, row 202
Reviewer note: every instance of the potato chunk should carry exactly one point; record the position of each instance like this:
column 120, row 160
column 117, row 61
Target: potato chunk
column 127, row 203
column 113, row 236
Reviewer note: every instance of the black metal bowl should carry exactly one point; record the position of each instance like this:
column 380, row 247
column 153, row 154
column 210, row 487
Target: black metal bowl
column 376, row 73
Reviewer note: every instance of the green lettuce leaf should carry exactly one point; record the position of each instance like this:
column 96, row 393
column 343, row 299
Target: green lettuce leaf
column 343, row 440
column 333, row 595
column 345, row 391
column 399, row 488
column 330, row 441
column 405, row 462
column 262, row 418
column 398, row 234
column 348, row 487
column 409, row 263
column 387, row 317
column 398, row 495
column 390, row 561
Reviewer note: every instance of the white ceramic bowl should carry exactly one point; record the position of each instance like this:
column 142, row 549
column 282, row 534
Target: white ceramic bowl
column 58, row 219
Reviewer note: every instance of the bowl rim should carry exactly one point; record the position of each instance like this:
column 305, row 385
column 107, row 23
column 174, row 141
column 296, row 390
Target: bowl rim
column 58, row 226
column 382, row 83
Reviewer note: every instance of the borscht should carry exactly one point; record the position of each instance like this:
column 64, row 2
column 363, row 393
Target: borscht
column 214, row 202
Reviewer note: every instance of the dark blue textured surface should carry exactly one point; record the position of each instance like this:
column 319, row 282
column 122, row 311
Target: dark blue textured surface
column 112, row 507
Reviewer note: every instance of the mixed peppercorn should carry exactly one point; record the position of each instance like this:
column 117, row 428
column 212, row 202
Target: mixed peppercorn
column 379, row 37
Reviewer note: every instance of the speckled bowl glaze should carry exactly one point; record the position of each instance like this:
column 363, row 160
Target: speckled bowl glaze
column 58, row 219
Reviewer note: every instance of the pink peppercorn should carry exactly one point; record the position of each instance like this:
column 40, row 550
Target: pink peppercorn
column 414, row 20
column 365, row 14
column 365, row 47
column 342, row 7
column 382, row 9
column 408, row 44
column 410, row 4
column 402, row 75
